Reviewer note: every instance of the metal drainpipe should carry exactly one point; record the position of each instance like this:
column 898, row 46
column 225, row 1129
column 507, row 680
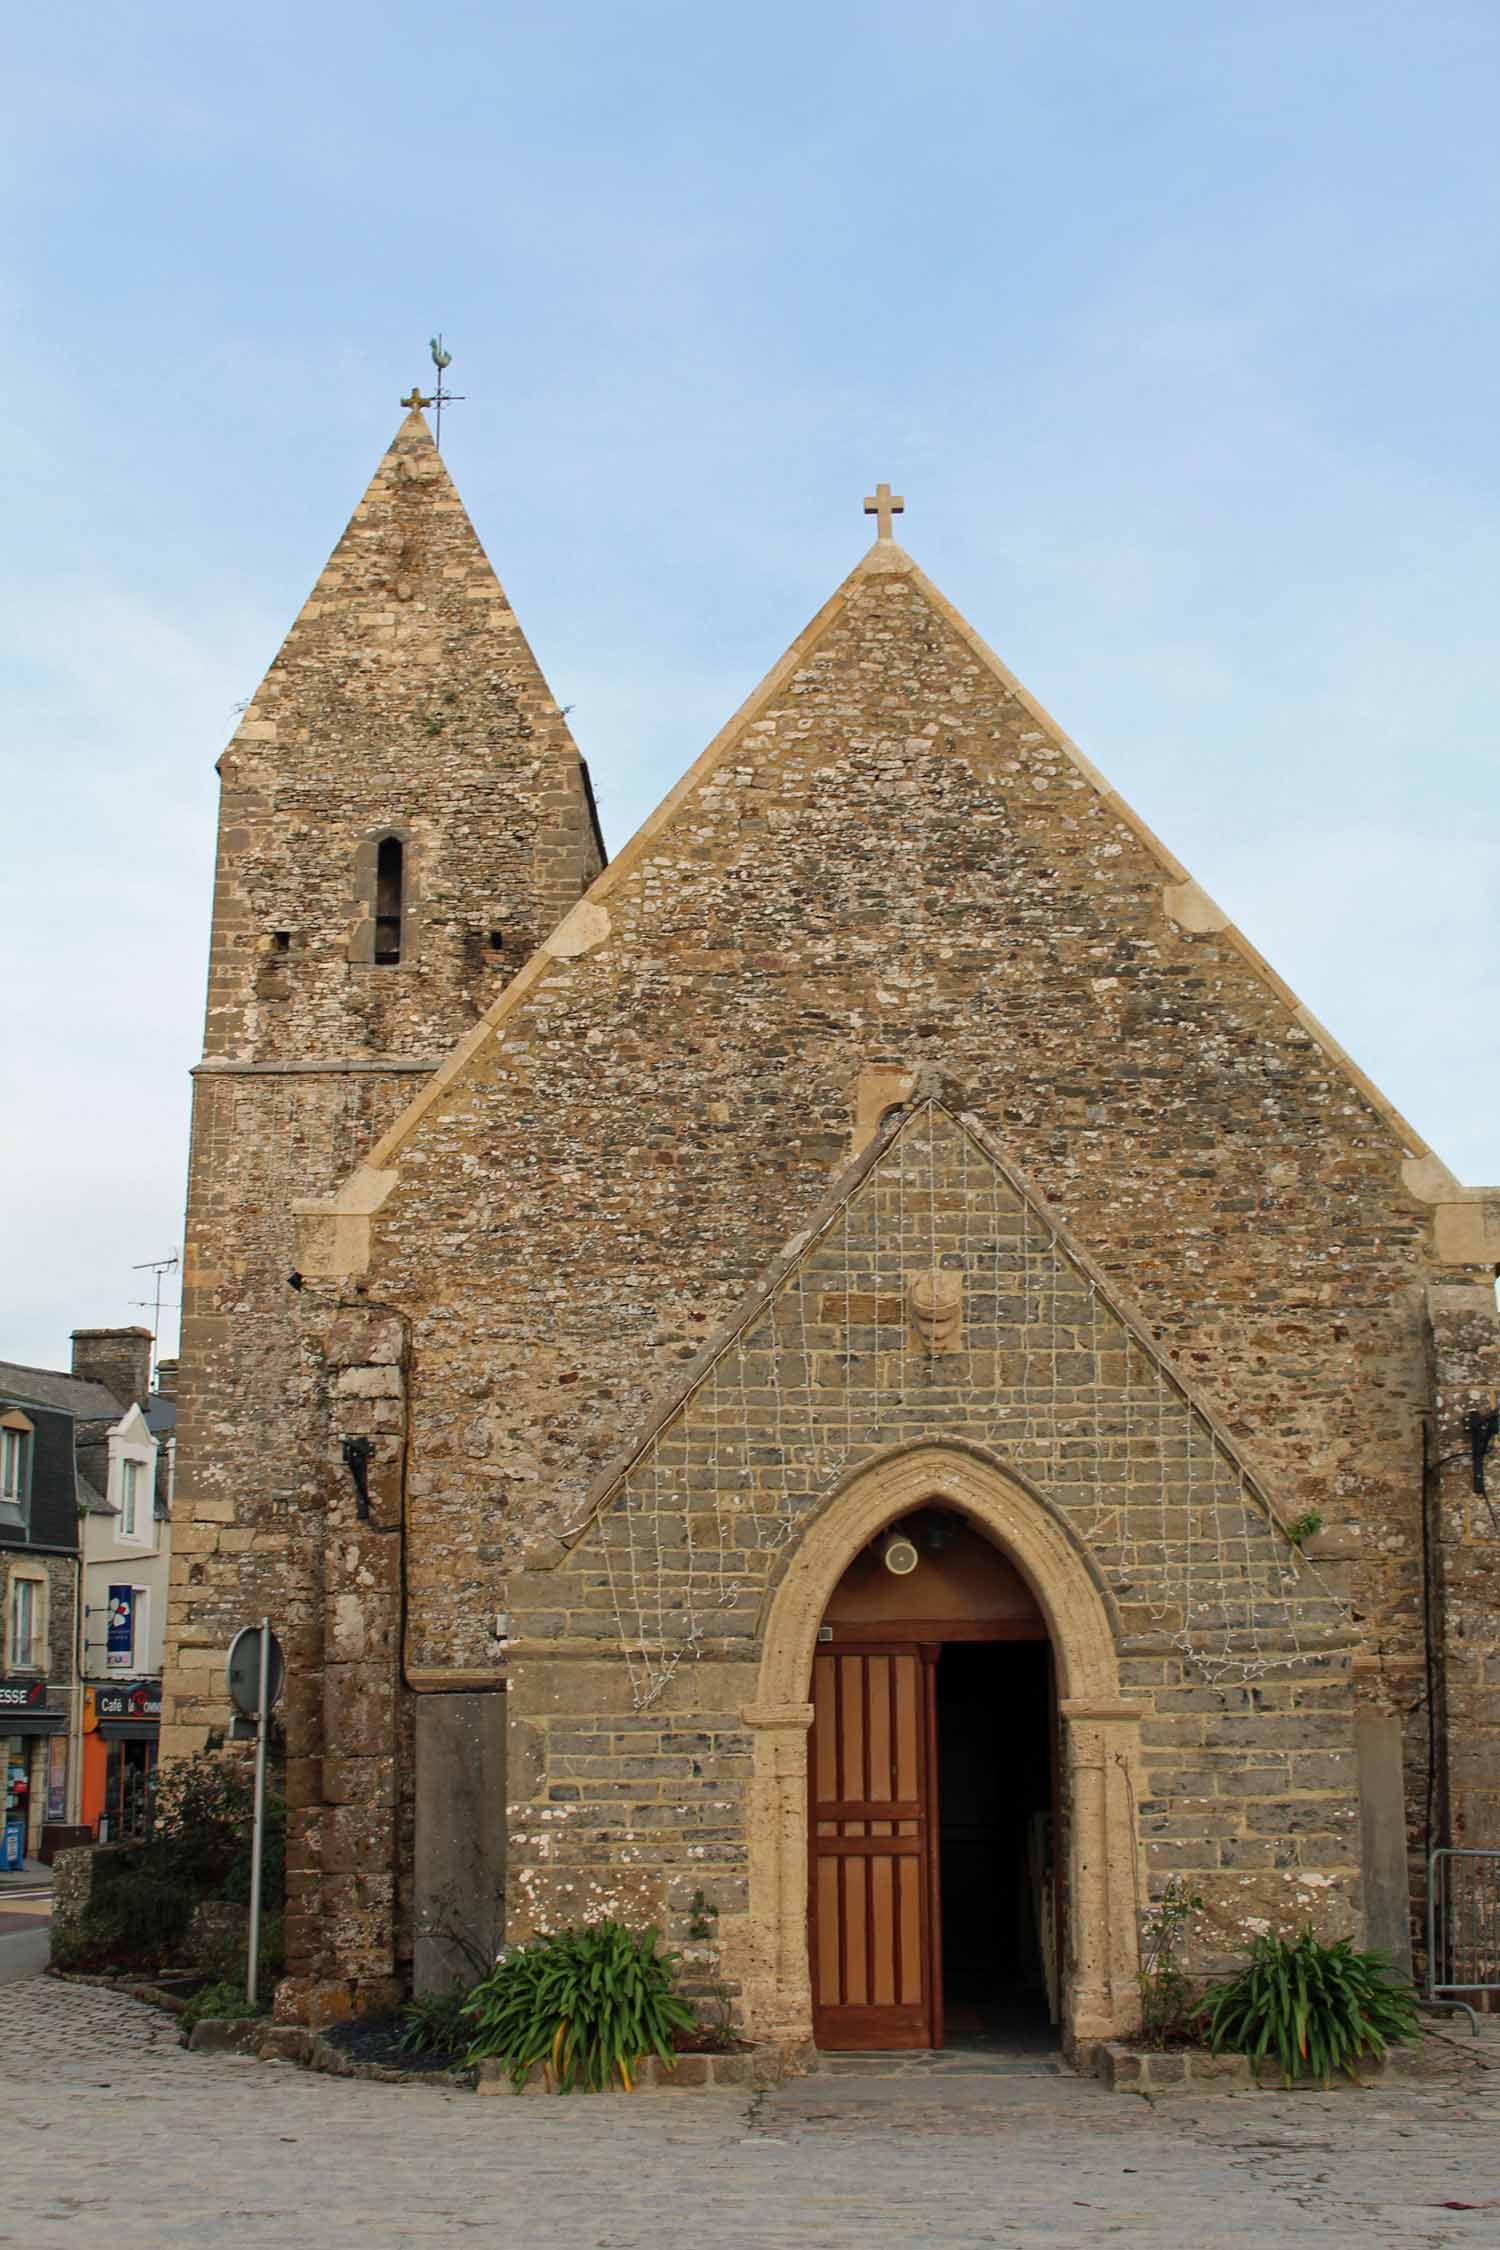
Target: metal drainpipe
column 74, row 1808
column 1435, row 1828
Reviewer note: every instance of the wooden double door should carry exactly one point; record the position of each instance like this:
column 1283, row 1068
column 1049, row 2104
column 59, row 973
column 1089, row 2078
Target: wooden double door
column 874, row 1915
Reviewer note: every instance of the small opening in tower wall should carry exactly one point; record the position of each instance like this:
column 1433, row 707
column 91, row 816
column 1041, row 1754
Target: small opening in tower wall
column 388, row 888
column 497, row 941
column 281, row 941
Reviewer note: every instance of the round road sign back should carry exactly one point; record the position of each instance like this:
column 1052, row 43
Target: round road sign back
column 244, row 1671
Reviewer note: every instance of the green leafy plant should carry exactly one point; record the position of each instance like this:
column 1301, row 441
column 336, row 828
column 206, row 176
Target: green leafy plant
column 436, row 2023
column 1166, row 1994
column 201, row 1829
column 217, row 2001
column 1304, row 1527
column 134, row 1920
column 721, row 2028
column 585, row 2003
column 701, row 1916
column 1316, row 2007
column 216, row 1942
column 142, row 1896
column 201, row 1812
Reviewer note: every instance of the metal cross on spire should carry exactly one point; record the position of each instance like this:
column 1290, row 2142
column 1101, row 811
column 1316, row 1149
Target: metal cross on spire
column 440, row 398
column 882, row 503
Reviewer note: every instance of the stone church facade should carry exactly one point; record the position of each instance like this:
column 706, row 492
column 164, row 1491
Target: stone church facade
column 593, row 1270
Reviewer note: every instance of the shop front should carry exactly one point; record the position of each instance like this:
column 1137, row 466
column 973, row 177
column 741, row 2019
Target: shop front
column 121, row 1727
column 34, row 1748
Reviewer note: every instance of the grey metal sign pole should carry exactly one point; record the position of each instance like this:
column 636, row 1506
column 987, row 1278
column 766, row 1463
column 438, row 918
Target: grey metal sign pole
column 257, row 1833
column 255, row 1676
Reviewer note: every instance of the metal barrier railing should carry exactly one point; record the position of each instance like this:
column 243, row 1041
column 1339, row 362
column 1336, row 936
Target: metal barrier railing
column 1463, row 1926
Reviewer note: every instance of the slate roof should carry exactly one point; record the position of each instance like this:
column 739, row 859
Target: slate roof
column 68, row 1394
column 161, row 1415
column 92, row 1501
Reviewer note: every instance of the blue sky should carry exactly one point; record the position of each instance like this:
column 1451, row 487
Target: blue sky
column 1176, row 324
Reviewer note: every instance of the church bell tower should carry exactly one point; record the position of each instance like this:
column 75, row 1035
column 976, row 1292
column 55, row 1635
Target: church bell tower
column 404, row 815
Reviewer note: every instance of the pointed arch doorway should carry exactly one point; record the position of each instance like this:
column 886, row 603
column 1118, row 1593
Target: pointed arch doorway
column 935, row 1811
column 1097, row 1737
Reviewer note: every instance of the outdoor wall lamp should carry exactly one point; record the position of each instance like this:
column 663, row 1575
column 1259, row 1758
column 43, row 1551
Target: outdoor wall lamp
column 357, row 1462
column 898, row 1554
column 1482, row 1429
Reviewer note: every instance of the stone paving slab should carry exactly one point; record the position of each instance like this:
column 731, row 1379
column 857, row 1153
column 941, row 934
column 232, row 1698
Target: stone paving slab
column 113, row 2132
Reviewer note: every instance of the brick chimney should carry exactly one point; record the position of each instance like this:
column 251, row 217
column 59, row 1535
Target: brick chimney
column 166, row 1378
column 119, row 1358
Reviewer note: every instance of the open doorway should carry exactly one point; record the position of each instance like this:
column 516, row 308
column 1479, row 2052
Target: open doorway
column 933, row 1817
column 995, row 1807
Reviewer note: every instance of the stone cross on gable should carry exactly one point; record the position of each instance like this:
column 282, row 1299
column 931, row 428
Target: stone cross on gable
column 416, row 399
column 882, row 503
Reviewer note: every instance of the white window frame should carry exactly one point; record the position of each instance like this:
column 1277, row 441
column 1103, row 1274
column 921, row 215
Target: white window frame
column 33, row 1656
column 130, row 1497
column 136, row 1451
column 14, row 1446
column 17, row 1464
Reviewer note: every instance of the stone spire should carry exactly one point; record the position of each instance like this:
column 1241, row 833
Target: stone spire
column 404, row 700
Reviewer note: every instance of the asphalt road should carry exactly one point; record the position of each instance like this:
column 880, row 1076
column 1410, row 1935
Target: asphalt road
column 25, row 1932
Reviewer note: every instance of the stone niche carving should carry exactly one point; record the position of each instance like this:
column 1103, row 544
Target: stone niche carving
column 935, row 1310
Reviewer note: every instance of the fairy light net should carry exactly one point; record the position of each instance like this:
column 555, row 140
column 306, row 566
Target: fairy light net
column 1050, row 1379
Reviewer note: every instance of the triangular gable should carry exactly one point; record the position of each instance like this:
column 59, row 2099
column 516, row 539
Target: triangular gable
column 596, row 923
column 834, row 1360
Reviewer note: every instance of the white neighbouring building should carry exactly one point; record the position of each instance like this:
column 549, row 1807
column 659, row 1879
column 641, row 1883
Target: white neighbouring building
column 126, row 1558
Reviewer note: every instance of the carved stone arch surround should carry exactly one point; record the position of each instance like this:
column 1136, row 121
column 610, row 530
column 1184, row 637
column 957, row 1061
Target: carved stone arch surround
column 1101, row 1741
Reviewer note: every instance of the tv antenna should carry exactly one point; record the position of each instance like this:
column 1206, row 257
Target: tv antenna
column 161, row 1267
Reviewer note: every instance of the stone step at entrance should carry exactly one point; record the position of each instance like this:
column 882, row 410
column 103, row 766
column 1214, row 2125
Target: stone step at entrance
column 932, row 2064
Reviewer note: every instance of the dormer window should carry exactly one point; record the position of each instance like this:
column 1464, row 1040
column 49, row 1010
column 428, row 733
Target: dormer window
column 132, row 1480
column 390, row 878
column 13, row 1449
column 16, row 1441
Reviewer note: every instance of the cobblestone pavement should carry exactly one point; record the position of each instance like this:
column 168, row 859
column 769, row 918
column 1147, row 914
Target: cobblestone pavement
column 112, row 2132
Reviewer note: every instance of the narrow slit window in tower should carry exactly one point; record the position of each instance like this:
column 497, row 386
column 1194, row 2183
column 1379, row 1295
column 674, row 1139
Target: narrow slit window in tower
column 388, row 886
